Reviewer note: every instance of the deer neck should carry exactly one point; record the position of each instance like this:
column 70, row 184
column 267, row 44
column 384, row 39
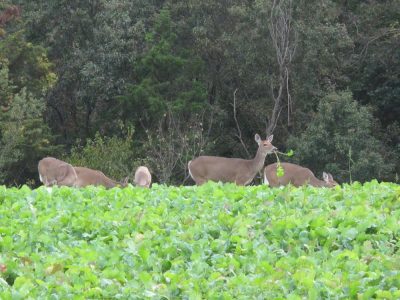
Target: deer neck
column 257, row 163
column 111, row 183
column 317, row 182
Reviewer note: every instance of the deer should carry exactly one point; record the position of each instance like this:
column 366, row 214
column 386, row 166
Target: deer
column 86, row 176
column 53, row 171
column 235, row 170
column 296, row 175
column 142, row 177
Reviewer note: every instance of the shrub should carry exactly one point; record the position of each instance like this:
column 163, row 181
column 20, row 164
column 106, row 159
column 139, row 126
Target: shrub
column 340, row 139
column 112, row 155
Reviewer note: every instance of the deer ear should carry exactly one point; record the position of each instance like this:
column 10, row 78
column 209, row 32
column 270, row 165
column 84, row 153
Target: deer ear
column 325, row 176
column 270, row 138
column 330, row 176
column 257, row 138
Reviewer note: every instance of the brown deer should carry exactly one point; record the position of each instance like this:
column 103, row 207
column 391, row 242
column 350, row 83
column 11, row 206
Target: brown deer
column 295, row 175
column 143, row 177
column 53, row 171
column 86, row 176
column 237, row 170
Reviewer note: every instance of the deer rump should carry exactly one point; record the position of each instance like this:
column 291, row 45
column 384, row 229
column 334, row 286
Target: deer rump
column 142, row 177
column 53, row 171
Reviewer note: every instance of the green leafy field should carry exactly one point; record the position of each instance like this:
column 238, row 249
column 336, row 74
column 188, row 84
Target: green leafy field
column 209, row 242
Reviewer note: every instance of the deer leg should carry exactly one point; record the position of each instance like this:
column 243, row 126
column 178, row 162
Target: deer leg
column 200, row 181
column 243, row 181
column 51, row 183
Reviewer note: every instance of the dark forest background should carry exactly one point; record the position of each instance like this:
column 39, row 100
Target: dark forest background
column 113, row 84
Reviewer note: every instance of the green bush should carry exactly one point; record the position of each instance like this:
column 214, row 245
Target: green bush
column 340, row 139
column 112, row 155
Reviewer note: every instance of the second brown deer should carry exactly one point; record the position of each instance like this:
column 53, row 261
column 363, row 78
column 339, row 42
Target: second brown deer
column 295, row 175
column 237, row 170
column 86, row 176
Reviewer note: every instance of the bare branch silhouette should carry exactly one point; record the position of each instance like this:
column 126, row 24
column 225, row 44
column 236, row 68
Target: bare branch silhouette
column 281, row 32
column 239, row 132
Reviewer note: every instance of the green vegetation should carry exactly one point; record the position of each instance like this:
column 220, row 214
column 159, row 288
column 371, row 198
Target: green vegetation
column 210, row 242
column 340, row 127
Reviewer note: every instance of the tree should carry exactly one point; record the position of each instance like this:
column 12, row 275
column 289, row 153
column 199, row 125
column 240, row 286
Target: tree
column 25, row 76
column 340, row 140
column 24, row 138
column 375, row 64
column 93, row 45
column 136, row 61
column 281, row 31
column 166, row 78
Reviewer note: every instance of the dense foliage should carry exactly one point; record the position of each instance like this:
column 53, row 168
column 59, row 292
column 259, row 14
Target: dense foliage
column 209, row 242
column 172, row 70
column 341, row 136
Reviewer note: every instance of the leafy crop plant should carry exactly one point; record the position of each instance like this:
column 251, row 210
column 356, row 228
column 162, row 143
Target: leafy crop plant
column 209, row 242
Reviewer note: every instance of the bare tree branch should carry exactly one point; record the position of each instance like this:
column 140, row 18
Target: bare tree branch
column 281, row 32
column 239, row 134
column 380, row 35
column 175, row 142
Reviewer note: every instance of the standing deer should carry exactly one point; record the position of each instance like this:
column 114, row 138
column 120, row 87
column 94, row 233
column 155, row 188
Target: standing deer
column 237, row 170
column 53, row 171
column 143, row 177
column 295, row 175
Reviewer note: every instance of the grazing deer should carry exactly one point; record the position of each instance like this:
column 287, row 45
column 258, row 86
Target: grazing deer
column 86, row 176
column 237, row 170
column 296, row 175
column 143, row 177
column 53, row 171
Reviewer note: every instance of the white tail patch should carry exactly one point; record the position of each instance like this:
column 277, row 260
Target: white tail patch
column 190, row 173
column 265, row 179
column 40, row 177
column 142, row 182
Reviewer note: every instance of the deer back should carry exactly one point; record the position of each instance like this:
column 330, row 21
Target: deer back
column 222, row 169
column 237, row 170
column 295, row 175
column 88, row 176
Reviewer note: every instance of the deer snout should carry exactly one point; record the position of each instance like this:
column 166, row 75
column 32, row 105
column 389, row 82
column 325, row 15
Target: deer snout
column 271, row 149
